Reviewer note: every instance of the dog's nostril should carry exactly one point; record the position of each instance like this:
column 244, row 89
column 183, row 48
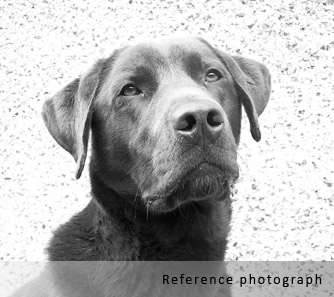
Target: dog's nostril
column 214, row 118
column 188, row 123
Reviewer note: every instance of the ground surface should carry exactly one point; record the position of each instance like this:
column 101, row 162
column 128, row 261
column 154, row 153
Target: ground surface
column 284, row 206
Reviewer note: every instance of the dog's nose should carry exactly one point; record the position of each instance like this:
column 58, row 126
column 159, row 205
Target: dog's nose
column 197, row 121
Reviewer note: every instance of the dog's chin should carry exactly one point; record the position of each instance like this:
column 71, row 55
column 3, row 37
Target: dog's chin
column 204, row 184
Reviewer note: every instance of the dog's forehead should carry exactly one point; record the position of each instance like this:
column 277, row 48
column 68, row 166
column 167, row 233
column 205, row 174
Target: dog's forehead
column 164, row 53
column 178, row 48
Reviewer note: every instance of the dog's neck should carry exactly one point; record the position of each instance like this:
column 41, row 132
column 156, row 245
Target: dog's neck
column 186, row 230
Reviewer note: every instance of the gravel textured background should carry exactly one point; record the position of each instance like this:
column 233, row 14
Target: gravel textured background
column 283, row 209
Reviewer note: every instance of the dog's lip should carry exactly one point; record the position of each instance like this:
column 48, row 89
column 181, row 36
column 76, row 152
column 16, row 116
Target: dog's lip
column 201, row 171
column 204, row 169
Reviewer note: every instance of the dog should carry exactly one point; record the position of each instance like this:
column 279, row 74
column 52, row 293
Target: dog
column 164, row 118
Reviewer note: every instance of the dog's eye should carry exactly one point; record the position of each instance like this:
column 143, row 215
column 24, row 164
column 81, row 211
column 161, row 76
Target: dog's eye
column 213, row 75
column 129, row 90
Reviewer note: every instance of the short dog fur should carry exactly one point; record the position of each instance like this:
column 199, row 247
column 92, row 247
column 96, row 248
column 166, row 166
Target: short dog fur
column 164, row 120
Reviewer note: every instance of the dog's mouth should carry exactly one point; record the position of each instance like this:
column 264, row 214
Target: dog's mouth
column 205, row 182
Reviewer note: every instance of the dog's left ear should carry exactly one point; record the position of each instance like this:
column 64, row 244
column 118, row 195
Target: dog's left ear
column 67, row 115
column 253, row 85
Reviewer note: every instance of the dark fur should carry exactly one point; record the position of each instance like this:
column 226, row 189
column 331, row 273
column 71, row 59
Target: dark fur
column 148, row 200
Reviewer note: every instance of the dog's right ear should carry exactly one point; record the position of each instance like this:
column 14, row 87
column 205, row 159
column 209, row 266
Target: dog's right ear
column 67, row 115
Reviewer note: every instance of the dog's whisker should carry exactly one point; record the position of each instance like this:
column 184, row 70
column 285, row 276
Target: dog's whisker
column 147, row 210
column 179, row 207
column 136, row 201
column 137, row 194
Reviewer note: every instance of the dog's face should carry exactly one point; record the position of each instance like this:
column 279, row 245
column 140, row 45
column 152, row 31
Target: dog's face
column 165, row 120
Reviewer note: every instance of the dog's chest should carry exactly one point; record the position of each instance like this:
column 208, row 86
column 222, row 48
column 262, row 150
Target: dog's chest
column 181, row 243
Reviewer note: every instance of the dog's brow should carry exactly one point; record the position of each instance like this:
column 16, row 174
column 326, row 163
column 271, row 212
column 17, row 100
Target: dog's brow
column 194, row 64
column 194, row 61
column 144, row 72
column 141, row 76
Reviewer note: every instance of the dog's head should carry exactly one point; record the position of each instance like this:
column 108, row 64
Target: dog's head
column 165, row 120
